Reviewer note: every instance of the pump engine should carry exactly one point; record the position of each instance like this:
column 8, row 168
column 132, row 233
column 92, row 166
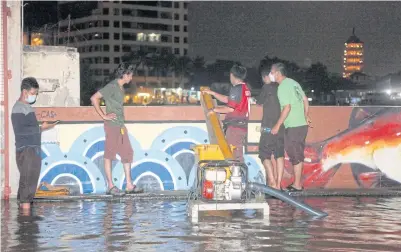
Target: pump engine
column 222, row 180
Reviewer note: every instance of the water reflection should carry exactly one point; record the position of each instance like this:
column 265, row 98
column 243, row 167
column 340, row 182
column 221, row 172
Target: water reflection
column 353, row 224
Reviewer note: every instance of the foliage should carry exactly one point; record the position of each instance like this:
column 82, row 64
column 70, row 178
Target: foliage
column 198, row 73
column 87, row 86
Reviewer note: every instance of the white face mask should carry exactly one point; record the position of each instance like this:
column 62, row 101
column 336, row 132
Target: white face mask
column 271, row 77
column 30, row 99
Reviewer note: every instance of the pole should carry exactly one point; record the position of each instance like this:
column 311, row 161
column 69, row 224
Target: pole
column 7, row 189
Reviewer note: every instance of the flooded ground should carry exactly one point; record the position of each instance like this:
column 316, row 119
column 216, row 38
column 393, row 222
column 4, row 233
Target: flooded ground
column 353, row 224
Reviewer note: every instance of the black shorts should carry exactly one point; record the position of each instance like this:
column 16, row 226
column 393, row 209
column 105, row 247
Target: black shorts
column 271, row 144
column 294, row 140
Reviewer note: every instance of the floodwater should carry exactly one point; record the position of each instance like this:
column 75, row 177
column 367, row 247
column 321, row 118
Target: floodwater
column 353, row 224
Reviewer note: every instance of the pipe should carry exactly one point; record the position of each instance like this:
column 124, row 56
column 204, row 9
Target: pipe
column 286, row 198
column 7, row 189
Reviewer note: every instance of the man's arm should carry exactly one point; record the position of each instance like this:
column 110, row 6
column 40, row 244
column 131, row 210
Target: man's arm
column 284, row 113
column 46, row 126
column 306, row 106
column 95, row 99
column 306, row 110
column 220, row 97
column 223, row 109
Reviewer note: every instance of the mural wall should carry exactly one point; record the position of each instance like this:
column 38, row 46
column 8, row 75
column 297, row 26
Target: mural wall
column 346, row 148
column 163, row 158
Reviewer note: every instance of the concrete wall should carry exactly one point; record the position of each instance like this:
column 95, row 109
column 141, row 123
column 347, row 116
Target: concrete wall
column 57, row 70
column 348, row 147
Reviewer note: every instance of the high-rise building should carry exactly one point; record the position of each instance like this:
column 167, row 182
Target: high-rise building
column 353, row 55
column 106, row 31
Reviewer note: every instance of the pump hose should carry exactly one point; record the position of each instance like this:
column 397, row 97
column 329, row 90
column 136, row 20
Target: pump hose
column 256, row 187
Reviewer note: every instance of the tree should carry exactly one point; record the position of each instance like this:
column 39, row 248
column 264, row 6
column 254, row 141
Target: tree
column 140, row 59
column 200, row 76
column 88, row 86
column 183, row 68
column 317, row 78
column 198, row 63
column 219, row 71
column 158, row 64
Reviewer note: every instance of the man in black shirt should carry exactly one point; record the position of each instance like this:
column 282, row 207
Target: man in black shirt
column 270, row 144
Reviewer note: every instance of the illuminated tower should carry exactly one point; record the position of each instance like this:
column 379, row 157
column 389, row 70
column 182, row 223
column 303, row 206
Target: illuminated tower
column 353, row 55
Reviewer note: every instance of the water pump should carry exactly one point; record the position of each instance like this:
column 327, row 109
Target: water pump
column 222, row 180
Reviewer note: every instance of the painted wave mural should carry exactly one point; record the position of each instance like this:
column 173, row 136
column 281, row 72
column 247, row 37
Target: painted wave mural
column 169, row 164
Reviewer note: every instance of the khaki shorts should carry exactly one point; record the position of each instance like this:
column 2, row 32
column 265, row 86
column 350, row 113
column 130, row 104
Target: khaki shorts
column 117, row 143
column 294, row 142
column 237, row 137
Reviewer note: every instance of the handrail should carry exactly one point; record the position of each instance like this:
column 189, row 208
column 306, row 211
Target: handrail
column 213, row 120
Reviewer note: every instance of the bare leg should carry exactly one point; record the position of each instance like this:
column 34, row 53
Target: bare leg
column 274, row 164
column 107, row 170
column 127, row 171
column 280, row 171
column 271, row 180
column 298, row 175
column 25, row 206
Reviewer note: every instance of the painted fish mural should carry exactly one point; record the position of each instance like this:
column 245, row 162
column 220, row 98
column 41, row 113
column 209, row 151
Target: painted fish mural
column 371, row 145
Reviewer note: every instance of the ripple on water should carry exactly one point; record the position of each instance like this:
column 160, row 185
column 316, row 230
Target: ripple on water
column 353, row 224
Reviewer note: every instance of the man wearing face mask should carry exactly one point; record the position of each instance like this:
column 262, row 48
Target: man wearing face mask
column 237, row 110
column 270, row 144
column 117, row 140
column 27, row 141
column 294, row 115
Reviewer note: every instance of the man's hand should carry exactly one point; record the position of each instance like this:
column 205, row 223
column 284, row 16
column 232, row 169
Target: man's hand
column 275, row 129
column 208, row 91
column 308, row 121
column 109, row 117
column 211, row 111
column 46, row 126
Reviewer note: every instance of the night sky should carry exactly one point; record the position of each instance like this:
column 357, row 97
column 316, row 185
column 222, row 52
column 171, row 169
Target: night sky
column 303, row 32
column 298, row 31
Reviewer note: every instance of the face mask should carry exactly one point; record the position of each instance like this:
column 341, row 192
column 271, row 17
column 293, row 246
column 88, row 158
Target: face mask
column 271, row 77
column 31, row 99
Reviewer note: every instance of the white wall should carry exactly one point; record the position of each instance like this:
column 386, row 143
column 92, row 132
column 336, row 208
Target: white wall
column 57, row 71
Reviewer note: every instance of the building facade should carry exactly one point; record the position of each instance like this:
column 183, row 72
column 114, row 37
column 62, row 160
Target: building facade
column 353, row 55
column 106, row 32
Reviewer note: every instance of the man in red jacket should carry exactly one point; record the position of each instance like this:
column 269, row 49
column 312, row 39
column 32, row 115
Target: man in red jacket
column 237, row 110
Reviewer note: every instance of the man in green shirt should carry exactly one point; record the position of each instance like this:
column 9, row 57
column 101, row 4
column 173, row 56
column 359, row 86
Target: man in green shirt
column 294, row 115
column 117, row 140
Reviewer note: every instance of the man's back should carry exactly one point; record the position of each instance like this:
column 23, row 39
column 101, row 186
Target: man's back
column 238, row 99
column 290, row 92
column 114, row 98
column 271, row 105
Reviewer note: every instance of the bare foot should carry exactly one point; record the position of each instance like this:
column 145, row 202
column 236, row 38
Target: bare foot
column 130, row 187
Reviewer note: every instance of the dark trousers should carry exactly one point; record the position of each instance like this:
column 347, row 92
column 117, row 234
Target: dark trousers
column 28, row 163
